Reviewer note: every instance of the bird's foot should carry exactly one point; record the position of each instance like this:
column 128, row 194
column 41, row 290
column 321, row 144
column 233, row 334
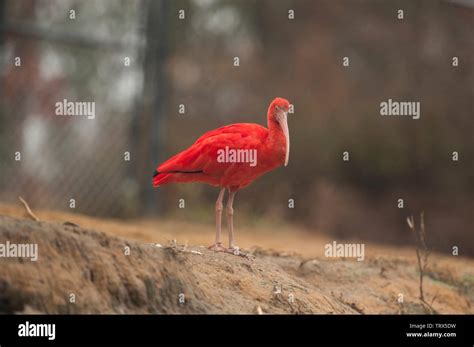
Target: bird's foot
column 217, row 247
column 235, row 250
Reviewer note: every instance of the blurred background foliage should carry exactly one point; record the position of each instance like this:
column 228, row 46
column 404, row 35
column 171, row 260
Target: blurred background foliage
column 190, row 62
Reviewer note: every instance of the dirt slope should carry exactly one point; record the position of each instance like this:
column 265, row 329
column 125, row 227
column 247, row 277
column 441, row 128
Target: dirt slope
column 95, row 267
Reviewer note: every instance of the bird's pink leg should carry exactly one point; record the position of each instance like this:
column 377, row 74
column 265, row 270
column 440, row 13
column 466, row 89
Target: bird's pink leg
column 233, row 248
column 217, row 246
column 230, row 222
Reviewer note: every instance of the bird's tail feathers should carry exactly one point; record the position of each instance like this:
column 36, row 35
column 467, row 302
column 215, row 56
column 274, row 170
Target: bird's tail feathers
column 161, row 178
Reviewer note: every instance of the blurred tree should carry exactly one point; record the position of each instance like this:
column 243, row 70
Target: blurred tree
column 149, row 128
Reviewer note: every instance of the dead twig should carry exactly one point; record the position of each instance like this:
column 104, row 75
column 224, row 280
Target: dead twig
column 173, row 244
column 422, row 254
column 28, row 209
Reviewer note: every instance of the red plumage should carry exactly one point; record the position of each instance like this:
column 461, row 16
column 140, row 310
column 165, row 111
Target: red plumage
column 199, row 163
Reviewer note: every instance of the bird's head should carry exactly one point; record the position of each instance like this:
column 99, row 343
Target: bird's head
column 278, row 113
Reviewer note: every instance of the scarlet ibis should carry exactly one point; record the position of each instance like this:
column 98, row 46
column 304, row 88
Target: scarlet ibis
column 231, row 157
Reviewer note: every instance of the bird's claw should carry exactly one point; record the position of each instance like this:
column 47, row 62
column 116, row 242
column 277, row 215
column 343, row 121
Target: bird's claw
column 235, row 250
column 217, row 247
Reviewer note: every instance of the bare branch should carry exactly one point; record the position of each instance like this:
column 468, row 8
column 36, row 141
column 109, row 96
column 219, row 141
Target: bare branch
column 34, row 31
column 32, row 215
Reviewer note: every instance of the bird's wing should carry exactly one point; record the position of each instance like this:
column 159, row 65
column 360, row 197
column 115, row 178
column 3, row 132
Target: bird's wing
column 202, row 155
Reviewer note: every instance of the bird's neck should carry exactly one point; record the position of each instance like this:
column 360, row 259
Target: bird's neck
column 276, row 138
column 273, row 127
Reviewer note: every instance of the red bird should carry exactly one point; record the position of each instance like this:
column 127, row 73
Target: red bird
column 231, row 157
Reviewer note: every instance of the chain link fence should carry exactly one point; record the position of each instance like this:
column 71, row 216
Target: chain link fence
column 65, row 53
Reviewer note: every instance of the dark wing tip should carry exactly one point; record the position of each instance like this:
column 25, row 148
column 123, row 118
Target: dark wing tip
column 156, row 173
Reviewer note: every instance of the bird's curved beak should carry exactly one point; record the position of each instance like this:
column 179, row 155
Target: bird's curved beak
column 282, row 119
